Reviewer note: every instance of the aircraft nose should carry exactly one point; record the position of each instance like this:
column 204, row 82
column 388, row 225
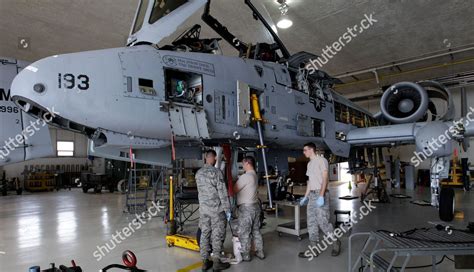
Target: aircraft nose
column 33, row 83
column 84, row 88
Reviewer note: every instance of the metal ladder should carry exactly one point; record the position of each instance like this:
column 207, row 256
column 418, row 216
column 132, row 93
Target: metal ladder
column 160, row 190
column 136, row 198
column 368, row 259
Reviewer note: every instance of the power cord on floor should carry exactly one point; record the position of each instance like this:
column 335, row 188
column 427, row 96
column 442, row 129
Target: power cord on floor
column 361, row 268
column 422, row 266
column 449, row 259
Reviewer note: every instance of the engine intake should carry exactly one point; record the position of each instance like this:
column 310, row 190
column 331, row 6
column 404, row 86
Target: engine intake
column 404, row 102
column 407, row 102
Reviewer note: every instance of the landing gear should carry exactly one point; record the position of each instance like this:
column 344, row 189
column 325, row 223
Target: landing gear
column 439, row 170
column 375, row 187
column 446, row 204
column 443, row 198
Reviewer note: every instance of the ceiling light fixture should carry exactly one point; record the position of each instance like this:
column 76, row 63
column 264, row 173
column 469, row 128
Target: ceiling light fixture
column 284, row 21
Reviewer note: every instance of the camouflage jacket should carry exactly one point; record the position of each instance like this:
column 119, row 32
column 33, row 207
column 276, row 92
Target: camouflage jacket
column 212, row 191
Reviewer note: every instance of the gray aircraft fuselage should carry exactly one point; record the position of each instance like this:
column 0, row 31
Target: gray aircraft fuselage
column 130, row 91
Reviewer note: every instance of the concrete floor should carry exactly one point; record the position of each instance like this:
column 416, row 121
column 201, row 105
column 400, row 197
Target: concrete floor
column 40, row 228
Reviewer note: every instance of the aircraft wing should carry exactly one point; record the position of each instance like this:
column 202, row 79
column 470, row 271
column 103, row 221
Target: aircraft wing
column 382, row 135
column 432, row 138
column 155, row 20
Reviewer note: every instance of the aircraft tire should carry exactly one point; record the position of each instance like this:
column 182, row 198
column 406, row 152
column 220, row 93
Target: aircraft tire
column 446, row 204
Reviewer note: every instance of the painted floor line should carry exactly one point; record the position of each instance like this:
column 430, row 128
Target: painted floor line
column 191, row 267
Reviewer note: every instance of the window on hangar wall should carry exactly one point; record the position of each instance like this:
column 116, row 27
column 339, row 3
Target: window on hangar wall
column 65, row 148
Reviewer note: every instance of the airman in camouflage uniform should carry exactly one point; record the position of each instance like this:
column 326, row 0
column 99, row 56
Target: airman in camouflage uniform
column 249, row 210
column 213, row 207
column 317, row 198
column 318, row 217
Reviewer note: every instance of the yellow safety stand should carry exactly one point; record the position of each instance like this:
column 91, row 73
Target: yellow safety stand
column 182, row 241
column 455, row 173
column 173, row 239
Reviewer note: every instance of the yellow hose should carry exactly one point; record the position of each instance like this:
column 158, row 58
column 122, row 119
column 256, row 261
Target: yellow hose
column 255, row 108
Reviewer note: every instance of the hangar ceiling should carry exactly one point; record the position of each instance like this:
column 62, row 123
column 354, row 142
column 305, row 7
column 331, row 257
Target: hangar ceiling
column 405, row 30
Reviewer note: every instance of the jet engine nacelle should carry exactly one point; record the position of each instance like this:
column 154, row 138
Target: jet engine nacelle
column 407, row 102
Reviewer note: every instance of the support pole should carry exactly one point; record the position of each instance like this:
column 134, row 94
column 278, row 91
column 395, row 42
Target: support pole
column 258, row 118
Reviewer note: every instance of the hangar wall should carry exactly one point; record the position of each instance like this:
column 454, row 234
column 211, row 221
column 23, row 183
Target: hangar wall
column 406, row 152
column 79, row 158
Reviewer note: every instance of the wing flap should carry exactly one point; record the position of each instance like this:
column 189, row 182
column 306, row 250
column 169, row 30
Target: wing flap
column 383, row 135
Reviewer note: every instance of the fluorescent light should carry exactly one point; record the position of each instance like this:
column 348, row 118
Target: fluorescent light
column 284, row 23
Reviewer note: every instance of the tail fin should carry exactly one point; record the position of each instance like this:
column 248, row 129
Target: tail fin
column 22, row 137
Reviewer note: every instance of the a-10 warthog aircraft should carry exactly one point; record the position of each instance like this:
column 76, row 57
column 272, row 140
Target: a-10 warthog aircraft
column 141, row 95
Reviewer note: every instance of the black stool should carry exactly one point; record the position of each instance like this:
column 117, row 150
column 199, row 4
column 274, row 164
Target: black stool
column 341, row 221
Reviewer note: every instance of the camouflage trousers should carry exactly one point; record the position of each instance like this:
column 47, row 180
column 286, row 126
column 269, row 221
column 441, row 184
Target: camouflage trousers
column 212, row 231
column 318, row 217
column 249, row 225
